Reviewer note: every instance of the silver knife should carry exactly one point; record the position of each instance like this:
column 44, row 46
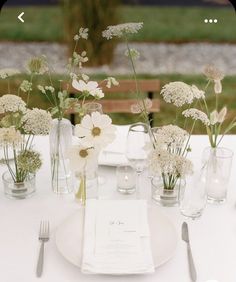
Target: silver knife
column 185, row 237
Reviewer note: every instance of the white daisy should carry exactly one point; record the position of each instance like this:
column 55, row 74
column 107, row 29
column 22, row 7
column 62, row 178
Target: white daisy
column 96, row 128
column 88, row 88
column 82, row 156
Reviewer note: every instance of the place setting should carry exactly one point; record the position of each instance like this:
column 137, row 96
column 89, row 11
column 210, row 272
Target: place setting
column 140, row 187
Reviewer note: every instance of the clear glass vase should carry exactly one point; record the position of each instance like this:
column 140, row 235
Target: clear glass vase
column 217, row 163
column 18, row 190
column 60, row 140
column 167, row 197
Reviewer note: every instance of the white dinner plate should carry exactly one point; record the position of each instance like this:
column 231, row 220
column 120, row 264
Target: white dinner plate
column 69, row 237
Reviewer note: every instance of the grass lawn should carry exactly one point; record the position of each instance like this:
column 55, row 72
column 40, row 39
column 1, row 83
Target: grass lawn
column 171, row 24
column 167, row 113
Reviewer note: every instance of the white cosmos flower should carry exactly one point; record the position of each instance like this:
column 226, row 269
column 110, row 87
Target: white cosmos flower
column 82, row 156
column 97, row 129
column 90, row 87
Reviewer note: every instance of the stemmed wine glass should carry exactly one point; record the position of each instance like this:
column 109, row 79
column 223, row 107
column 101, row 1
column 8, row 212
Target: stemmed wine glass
column 137, row 138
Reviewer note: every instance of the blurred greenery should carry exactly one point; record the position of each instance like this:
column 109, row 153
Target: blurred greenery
column 167, row 112
column 171, row 24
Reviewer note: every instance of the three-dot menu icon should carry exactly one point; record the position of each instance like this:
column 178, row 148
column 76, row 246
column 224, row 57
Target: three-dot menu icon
column 210, row 21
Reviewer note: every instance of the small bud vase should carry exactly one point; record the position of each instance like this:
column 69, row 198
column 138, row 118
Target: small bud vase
column 60, row 140
column 166, row 197
column 18, row 190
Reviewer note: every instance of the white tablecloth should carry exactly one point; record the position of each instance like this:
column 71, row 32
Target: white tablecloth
column 213, row 236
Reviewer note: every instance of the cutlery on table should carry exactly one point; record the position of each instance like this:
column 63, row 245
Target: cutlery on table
column 43, row 237
column 185, row 237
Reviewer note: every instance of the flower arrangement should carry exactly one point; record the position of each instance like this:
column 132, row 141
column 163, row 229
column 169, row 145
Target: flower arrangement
column 19, row 125
column 212, row 119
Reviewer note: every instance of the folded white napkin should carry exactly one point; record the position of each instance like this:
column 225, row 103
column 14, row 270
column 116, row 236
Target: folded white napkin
column 116, row 238
column 114, row 153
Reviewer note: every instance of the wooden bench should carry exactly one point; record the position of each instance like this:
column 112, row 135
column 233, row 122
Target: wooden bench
column 147, row 86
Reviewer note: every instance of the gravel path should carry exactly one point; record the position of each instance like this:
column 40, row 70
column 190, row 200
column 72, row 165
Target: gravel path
column 155, row 58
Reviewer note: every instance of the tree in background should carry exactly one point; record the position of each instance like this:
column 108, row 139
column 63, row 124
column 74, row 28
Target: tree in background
column 95, row 15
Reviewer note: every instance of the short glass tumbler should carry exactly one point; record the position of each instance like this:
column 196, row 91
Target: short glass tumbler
column 21, row 190
column 217, row 163
column 126, row 178
column 166, row 197
column 193, row 198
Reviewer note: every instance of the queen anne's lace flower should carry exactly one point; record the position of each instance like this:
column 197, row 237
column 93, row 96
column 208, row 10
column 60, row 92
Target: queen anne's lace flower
column 10, row 137
column 171, row 135
column 7, row 72
column 121, row 30
column 96, row 129
column 26, row 86
column 178, row 93
column 37, row 122
column 37, row 65
column 11, row 103
column 133, row 53
column 197, row 93
column 163, row 162
column 196, row 114
column 139, row 108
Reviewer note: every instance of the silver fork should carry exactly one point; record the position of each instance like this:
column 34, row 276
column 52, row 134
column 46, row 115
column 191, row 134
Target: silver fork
column 43, row 237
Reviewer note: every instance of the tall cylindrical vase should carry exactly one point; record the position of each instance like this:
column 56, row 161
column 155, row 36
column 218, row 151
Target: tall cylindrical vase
column 60, row 140
column 217, row 164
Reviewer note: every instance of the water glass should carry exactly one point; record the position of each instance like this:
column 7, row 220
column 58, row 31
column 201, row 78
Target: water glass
column 193, row 197
column 217, row 163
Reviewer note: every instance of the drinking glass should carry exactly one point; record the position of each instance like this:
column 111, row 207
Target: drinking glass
column 193, row 197
column 92, row 107
column 217, row 163
column 137, row 138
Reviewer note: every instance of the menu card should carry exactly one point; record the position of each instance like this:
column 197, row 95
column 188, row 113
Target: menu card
column 116, row 237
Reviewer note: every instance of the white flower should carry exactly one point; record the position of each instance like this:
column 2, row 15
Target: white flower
column 121, row 30
column 111, row 81
column 216, row 75
column 196, row 114
column 82, row 156
column 217, row 86
column 216, row 117
column 37, row 122
column 10, row 137
column 139, row 108
column 41, row 89
column 97, row 129
column 133, row 53
column 197, row 93
column 97, row 93
column 178, row 93
column 50, row 88
column 213, row 73
column 7, row 72
column 171, row 136
column 83, row 33
column 79, row 59
column 85, row 77
column 76, row 37
column 163, row 162
column 88, row 88
column 11, row 103
column 26, row 86
column 37, row 65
